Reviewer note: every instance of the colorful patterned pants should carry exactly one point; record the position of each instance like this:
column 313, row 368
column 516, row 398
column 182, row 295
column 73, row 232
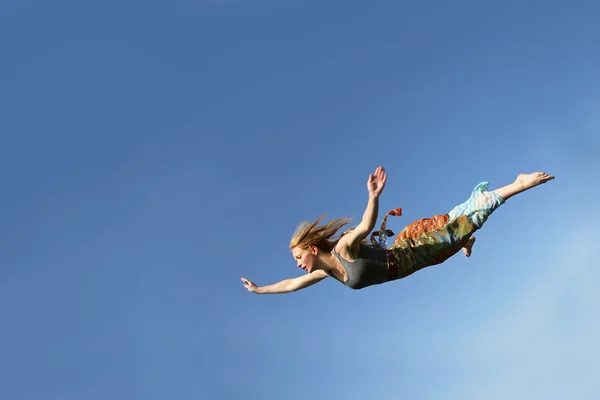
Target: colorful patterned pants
column 416, row 249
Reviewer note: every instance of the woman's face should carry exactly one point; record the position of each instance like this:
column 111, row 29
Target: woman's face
column 305, row 258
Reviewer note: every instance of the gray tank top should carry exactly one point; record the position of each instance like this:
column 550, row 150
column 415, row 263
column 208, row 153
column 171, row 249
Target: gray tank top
column 370, row 268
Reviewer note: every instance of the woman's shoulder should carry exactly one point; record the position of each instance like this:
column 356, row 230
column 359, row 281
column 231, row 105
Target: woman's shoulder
column 320, row 273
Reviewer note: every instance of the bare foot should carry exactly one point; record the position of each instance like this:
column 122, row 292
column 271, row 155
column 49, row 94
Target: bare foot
column 469, row 246
column 527, row 181
column 522, row 183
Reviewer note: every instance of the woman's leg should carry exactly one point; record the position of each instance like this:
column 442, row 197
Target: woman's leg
column 523, row 183
column 408, row 255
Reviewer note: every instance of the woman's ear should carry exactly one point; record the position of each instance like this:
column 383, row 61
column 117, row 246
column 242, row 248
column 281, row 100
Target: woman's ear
column 314, row 250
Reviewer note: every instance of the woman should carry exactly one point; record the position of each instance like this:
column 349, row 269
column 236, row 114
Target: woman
column 430, row 241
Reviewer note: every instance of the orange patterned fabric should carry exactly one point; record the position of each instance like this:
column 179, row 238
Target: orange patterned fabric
column 418, row 227
column 411, row 231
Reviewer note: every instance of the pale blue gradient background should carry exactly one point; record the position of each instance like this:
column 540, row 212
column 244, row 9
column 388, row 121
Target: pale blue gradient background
column 154, row 152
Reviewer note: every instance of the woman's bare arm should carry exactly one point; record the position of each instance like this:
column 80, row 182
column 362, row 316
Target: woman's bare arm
column 375, row 185
column 288, row 285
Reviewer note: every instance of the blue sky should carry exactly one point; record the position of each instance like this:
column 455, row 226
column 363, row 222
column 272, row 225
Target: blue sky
column 155, row 152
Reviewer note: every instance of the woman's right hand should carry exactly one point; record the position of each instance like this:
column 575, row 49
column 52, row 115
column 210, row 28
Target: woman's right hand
column 249, row 285
column 376, row 182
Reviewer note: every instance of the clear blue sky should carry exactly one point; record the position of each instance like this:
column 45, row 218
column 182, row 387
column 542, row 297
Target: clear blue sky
column 154, row 152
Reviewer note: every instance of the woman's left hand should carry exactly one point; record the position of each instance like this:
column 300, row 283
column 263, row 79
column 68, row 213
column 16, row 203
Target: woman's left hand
column 376, row 182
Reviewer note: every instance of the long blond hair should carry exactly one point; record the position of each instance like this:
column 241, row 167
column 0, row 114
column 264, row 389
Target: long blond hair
column 310, row 234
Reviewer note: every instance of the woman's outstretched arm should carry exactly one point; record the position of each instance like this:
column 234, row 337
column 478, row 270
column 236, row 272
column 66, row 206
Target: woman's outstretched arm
column 288, row 285
column 375, row 185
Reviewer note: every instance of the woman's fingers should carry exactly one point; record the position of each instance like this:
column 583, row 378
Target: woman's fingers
column 377, row 178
